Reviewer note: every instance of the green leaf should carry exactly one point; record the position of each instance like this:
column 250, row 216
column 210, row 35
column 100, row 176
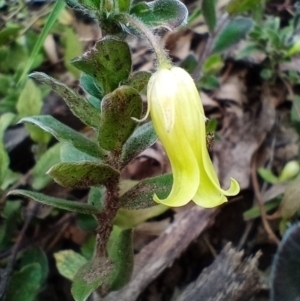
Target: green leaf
column 285, row 272
column 20, row 288
column 7, row 177
column 87, row 248
column 5, row 120
column 58, row 7
column 120, row 252
column 30, row 103
column 249, row 49
column 73, row 48
column 234, row 32
column 68, row 153
column 291, row 201
column 124, row 5
column 109, row 63
column 138, row 80
column 209, row 14
column 4, row 163
column 118, row 109
column 289, row 171
column 89, row 277
column 255, row 211
column 211, row 125
column 56, row 202
column 189, row 64
column 295, row 112
column 11, row 214
column 143, row 137
column 78, row 104
column 82, row 174
column 267, row 175
column 36, row 255
column 68, row 263
column 86, row 222
column 209, row 82
column 8, row 34
column 141, row 195
column 90, row 86
column 266, row 73
column 104, row 274
column 127, row 219
column 170, row 13
column 65, row 134
column 241, row 6
column 90, row 4
column 95, row 197
column 39, row 177
column 294, row 49
column 213, row 64
column 10, row 178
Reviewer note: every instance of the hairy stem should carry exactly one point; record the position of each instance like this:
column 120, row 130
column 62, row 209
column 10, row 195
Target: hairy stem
column 105, row 218
column 161, row 55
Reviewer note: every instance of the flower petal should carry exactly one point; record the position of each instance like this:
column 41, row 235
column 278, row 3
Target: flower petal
column 185, row 179
column 166, row 108
column 210, row 193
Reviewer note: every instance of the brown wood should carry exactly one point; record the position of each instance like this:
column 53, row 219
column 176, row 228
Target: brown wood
column 227, row 279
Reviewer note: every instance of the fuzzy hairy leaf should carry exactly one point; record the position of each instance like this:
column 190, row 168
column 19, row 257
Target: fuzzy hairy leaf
column 56, row 202
column 170, row 13
column 117, row 111
column 143, row 137
column 90, row 86
column 82, row 174
column 80, row 107
column 141, row 195
column 89, row 277
column 65, row 134
column 120, row 252
column 138, row 80
column 106, row 274
column 69, row 153
column 109, row 63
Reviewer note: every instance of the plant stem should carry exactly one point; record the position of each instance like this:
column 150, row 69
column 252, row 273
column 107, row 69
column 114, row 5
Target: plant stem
column 163, row 60
column 105, row 218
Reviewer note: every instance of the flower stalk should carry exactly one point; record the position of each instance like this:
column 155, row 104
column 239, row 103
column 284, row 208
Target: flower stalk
column 163, row 60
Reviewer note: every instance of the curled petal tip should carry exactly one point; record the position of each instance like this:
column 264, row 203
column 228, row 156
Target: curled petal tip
column 234, row 188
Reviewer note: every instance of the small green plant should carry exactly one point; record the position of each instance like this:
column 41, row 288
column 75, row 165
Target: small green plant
column 278, row 43
column 112, row 108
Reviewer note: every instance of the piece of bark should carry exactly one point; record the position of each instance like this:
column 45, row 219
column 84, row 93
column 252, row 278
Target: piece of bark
column 161, row 252
column 242, row 134
column 227, row 279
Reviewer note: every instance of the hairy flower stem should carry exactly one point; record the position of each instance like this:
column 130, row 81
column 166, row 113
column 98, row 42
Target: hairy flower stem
column 105, row 218
column 163, row 60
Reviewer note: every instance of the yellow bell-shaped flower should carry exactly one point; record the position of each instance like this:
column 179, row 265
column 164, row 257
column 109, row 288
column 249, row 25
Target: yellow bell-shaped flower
column 179, row 121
